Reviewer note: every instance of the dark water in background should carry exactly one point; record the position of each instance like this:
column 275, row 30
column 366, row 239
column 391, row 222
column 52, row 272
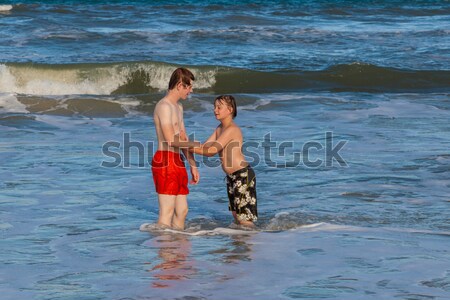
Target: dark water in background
column 239, row 47
column 266, row 35
column 375, row 74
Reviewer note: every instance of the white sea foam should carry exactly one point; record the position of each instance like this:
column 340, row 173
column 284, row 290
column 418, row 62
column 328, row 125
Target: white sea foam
column 40, row 81
column 323, row 226
column 152, row 227
column 5, row 226
column 100, row 80
column 315, row 227
column 7, row 80
column 10, row 104
column 258, row 103
column 237, row 230
column 418, row 231
column 402, row 108
column 68, row 124
column 396, row 108
column 5, row 7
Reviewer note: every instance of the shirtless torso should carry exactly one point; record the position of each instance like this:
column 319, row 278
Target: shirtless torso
column 168, row 169
column 227, row 142
column 231, row 154
column 168, row 117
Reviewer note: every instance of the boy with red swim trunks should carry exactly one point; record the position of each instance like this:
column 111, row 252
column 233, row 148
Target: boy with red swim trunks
column 169, row 173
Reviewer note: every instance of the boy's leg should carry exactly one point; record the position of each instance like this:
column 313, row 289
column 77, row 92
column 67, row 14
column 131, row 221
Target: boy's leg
column 242, row 222
column 235, row 217
column 246, row 223
column 166, row 209
column 181, row 210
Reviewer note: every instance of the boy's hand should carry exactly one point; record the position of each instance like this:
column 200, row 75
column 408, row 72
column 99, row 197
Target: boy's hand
column 195, row 175
column 183, row 136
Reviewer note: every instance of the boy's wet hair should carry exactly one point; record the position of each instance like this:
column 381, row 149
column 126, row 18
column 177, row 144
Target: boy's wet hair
column 230, row 101
column 181, row 74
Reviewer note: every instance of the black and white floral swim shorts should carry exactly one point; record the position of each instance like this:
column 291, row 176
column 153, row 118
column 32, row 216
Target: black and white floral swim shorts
column 241, row 187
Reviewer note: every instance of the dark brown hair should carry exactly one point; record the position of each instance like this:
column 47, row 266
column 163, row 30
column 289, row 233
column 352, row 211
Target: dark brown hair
column 181, row 74
column 230, row 101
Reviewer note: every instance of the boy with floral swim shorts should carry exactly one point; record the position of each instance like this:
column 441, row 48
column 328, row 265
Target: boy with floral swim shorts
column 227, row 141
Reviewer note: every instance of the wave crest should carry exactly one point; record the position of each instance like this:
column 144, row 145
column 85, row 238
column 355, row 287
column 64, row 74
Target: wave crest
column 93, row 79
column 148, row 77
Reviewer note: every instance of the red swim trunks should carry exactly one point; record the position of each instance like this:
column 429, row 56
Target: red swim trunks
column 169, row 173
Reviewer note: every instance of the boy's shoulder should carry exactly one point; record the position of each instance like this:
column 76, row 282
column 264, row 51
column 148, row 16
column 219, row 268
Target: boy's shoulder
column 160, row 103
column 235, row 127
column 232, row 129
column 163, row 105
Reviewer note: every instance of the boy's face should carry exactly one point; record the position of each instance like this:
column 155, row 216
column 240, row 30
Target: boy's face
column 222, row 109
column 184, row 89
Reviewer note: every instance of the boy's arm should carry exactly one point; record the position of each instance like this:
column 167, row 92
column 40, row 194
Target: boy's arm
column 193, row 164
column 182, row 137
column 212, row 137
column 212, row 147
column 185, row 143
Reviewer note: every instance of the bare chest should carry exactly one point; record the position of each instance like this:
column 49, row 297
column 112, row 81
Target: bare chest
column 177, row 118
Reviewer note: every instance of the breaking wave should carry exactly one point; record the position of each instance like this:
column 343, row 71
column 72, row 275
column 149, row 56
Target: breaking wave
column 149, row 77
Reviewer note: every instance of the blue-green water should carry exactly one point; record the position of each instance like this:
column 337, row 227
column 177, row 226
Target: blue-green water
column 371, row 224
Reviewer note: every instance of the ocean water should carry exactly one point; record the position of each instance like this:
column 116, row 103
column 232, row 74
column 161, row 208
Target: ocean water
column 345, row 111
